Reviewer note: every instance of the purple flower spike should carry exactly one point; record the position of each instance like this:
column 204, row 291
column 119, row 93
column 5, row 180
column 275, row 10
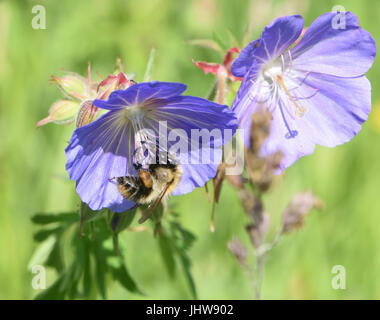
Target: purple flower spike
column 316, row 90
column 106, row 148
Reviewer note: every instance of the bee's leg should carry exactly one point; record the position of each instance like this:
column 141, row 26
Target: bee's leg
column 137, row 166
column 113, row 180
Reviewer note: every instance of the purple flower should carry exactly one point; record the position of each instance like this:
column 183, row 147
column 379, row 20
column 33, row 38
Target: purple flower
column 316, row 90
column 106, row 148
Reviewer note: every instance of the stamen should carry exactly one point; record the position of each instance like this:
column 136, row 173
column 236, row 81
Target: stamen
column 290, row 60
column 301, row 109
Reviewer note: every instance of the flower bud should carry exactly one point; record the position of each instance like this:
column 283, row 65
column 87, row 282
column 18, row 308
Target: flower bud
column 62, row 112
column 87, row 113
column 238, row 250
column 299, row 207
column 256, row 231
column 112, row 83
column 260, row 129
column 72, row 85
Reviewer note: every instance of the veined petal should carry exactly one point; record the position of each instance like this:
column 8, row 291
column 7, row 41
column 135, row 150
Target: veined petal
column 192, row 113
column 248, row 92
column 335, row 109
column 96, row 153
column 346, row 52
column 138, row 93
column 186, row 116
column 195, row 176
column 275, row 39
column 245, row 59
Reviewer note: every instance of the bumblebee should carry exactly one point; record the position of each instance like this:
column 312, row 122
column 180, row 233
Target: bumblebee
column 151, row 185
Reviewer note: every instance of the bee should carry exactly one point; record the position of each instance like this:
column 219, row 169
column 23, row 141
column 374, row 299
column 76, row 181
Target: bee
column 150, row 186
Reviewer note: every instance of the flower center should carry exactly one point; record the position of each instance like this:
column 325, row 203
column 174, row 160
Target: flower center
column 272, row 90
column 134, row 114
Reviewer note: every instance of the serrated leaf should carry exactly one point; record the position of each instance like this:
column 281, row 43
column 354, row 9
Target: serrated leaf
column 186, row 236
column 183, row 241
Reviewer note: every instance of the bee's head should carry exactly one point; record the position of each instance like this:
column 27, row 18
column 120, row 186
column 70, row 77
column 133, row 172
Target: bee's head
column 164, row 174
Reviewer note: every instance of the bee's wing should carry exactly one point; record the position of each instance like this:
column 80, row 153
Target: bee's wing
column 150, row 210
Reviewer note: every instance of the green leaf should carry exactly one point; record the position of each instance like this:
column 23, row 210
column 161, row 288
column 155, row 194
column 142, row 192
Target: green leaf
column 125, row 221
column 87, row 276
column 122, row 275
column 167, row 253
column 87, row 214
column 47, row 218
column 186, row 236
column 42, row 235
column 183, row 240
column 233, row 38
column 219, row 41
column 42, row 252
column 55, row 259
column 149, row 66
column 100, row 269
column 186, row 267
column 83, row 260
column 206, row 43
column 54, row 292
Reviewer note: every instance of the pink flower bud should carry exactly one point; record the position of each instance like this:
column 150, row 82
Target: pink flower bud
column 112, row 83
column 87, row 113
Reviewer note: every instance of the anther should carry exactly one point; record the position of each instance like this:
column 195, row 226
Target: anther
column 300, row 109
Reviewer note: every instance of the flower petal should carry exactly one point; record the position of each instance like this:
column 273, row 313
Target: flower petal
column 275, row 39
column 192, row 113
column 334, row 115
column 347, row 52
column 105, row 148
column 245, row 59
column 202, row 154
column 96, row 153
column 140, row 92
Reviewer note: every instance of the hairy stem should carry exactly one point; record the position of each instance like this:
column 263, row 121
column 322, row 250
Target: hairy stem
column 259, row 275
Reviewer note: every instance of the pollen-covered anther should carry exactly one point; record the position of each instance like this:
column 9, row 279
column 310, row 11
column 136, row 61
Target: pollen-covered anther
column 301, row 110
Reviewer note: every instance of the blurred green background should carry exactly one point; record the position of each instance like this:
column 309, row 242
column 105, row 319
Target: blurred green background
column 32, row 162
